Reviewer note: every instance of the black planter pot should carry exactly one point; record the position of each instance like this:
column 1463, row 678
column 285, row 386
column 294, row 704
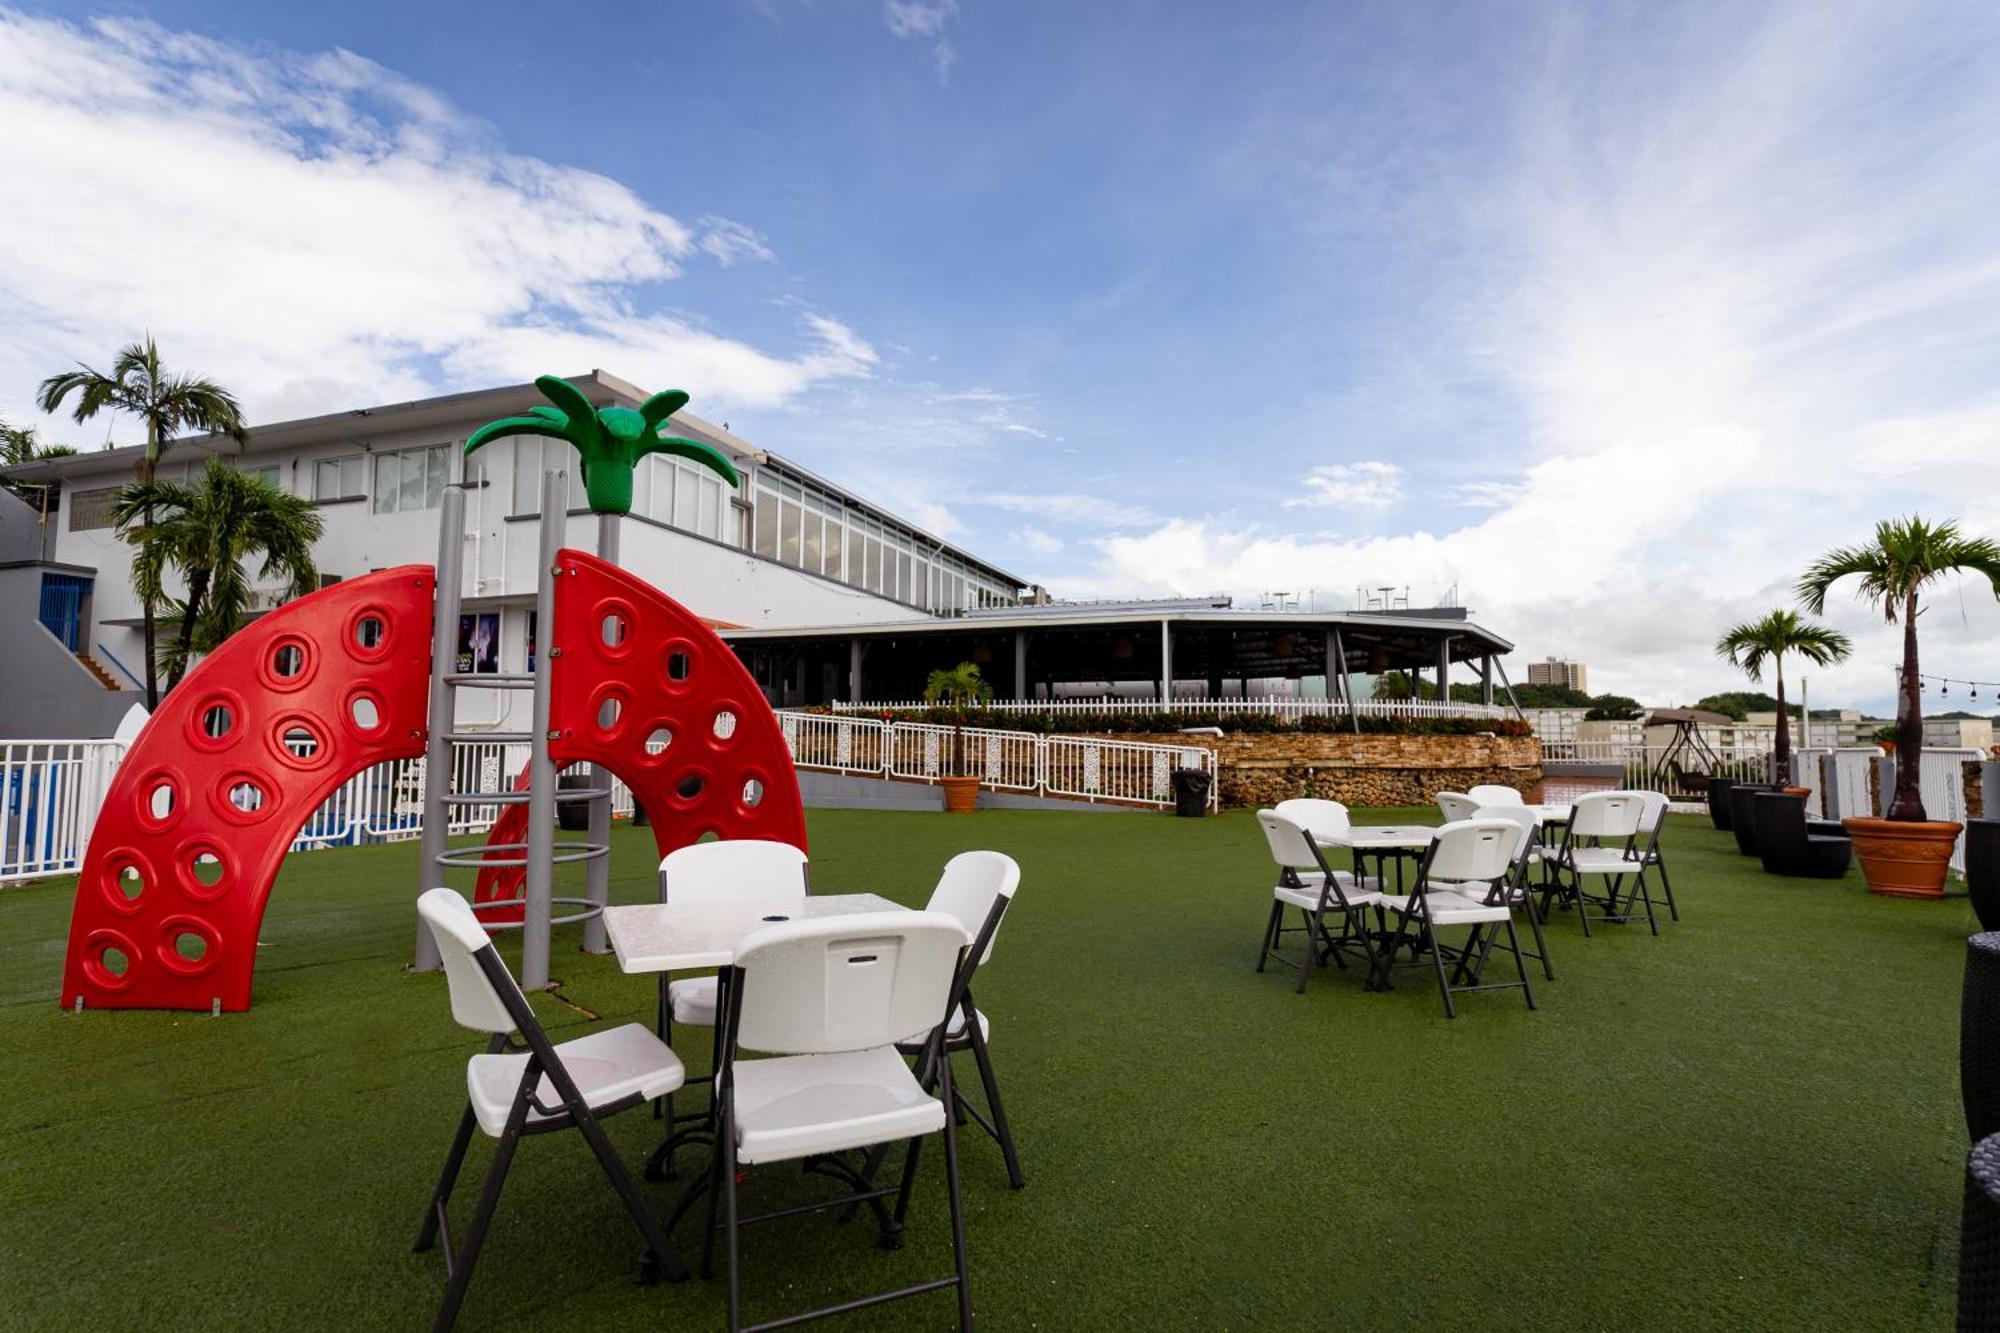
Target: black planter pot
column 1743, row 814
column 1979, row 1035
column 1982, row 869
column 1718, row 802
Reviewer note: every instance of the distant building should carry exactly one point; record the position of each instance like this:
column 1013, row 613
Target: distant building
column 1555, row 671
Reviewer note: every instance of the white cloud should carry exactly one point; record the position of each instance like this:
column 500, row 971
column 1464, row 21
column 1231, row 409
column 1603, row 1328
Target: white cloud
column 319, row 232
column 1370, row 484
column 1088, row 510
column 925, row 19
column 1484, row 494
column 1035, row 541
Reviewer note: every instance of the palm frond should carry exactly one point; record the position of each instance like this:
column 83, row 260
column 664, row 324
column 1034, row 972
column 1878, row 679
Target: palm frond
column 694, row 451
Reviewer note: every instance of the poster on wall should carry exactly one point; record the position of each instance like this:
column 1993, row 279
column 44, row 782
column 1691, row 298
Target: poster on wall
column 479, row 643
column 531, row 643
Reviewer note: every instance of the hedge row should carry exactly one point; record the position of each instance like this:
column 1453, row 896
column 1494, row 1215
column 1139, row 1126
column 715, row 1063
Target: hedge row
column 1135, row 720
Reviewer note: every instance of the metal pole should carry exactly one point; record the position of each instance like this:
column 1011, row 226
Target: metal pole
column 597, row 871
column 1486, row 680
column 1166, row 666
column 1020, row 664
column 854, row 689
column 1444, row 669
column 541, row 768
column 1346, row 680
column 437, row 743
column 1508, row 685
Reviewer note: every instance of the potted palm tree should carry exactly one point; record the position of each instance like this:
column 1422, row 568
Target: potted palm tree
column 1755, row 642
column 958, row 688
column 1904, row 854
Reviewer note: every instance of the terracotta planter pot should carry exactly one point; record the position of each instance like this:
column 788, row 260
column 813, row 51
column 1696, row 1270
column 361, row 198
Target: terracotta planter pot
column 1903, row 858
column 961, row 795
column 1801, row 792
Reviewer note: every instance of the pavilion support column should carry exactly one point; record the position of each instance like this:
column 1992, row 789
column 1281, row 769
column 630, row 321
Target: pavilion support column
column 1346, row 680
column 1486, row 679
column 1166, row 662
column 1444, row 670
column 1508, row 685
column 1020, row 664
column 854, row 655
column 1332, row 670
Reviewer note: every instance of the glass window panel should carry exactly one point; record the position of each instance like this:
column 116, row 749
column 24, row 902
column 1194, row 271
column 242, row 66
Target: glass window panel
column 809, row 545
column 436, row 466
column 410, row 477
column 666, row 477
column 903, row 582
column 788, row 532
column 388, row 472
column 642, row 484
column 527, row 475
column 687, row 500
column 836, row 545
column 709, row 523
column 767, row 525
column 857, row 558
column 353, row 475
column 326, row 479
column 872, row 579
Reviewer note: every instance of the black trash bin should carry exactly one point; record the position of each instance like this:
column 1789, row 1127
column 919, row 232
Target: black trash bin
column 573, row 816
column 1190, row 792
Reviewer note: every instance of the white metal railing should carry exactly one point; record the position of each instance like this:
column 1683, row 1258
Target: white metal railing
column 1274, row 706
column 50, row 792
column 1942, row 787
column 1078, row 767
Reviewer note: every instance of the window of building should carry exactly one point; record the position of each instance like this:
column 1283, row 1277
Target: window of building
column 409, row 480
column 767, row 525
column 339, row 478
column 89, row 510
column 271, row 475
column 531, row 455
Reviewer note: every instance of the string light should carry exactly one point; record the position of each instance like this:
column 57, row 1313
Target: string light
column 1926, row 679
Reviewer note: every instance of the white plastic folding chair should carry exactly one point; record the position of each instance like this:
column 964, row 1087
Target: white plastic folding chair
column 1603, row 842
column 1652, row 823
column 1306, row 882
column 1459, row 883
column 1456, row 805
column 1317, row 814
column 1490, row 793
column 730, row 870
column 828, row 1000
column 537, row 1088
column 1520, row 885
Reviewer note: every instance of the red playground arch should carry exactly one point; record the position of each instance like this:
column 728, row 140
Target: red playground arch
column 644, row 689
column 211, row 795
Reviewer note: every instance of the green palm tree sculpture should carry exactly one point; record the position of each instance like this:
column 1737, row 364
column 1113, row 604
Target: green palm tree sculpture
column 609, row 441
column 206, row 533
column 1906, row 556
column 139, row 385
column 1755, row 642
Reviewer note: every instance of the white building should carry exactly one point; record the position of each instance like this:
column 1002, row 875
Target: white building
column 787, row 548
column 1556, row 671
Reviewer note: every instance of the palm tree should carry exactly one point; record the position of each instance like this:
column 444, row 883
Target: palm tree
column 21, row 444
column 206, row 533
column 609, row 442
column 1905, row 556
column 168, row 404
column 961, row 686
column 1755, row 642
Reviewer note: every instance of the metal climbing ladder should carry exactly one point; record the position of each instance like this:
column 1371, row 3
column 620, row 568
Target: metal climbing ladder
column 542, row 852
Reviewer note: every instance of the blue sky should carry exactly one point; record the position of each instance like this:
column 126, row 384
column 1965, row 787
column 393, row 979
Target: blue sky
column 1611, row 317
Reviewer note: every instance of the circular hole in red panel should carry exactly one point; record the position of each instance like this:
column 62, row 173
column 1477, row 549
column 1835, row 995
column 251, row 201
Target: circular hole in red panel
column 608, row 708
column 159, row 803
column 658, row 741
column 709, row 835
column 367, row 634
column 288, row 663
column 689, row 789
column 722, row 728
column 364, row 713
column 124, row 882
column 244, row 797
column 614, row 619
column 300, row 742
column 187, row 945
column 203, row 871
column 216, row 722
column 679, row 663
column 753, row 793
column 107, row 959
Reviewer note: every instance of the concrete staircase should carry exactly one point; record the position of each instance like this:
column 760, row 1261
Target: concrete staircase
column 96, row 669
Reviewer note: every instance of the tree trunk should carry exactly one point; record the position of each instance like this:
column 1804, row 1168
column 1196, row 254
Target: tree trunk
column 1782, row 746
column 147, row 628
column 197, row 591
column 1909, row 802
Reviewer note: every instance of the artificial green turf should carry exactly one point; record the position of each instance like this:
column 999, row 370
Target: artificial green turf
column 1749, row 1121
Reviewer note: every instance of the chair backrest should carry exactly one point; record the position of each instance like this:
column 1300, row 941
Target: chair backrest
column 846, row 983
column 1518, row 815
column 732, row 870
column 475, row 1000
column 1311, row 813
column 1606, row 814
column 1456, row 805
column 1288, row 842
column 1473, row 849
column 1488, row 793
column 972, row 882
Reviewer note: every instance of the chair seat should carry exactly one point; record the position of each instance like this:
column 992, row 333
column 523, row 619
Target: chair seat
column 1451, row 907
column 793, row 1106
column 692, row 1001
column 954, row 1031
column 1602, row 861
column 606, row 1067
column 1360, row 891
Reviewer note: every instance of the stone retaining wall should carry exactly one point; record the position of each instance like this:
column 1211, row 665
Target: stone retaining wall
column 1262, row 768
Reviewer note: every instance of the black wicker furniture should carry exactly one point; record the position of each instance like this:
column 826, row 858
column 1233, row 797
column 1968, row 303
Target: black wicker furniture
column 1979, row 1238
column 1743, row 815
column 1790, row 844
column 1979, row 1036
column 1718, row 802
column 1982, row 869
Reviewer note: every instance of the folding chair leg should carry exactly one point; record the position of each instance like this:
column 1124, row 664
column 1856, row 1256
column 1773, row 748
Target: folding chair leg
column 957, row 1211
column 1270, row 933
column 715, row 1168
column 1461, row 971
column 664, row 1259
column 727, row 1156
column 1444, row 985
column 993, row 1104
column 1645, row 896
column 1667, row 886
column 1582, row 907
column 441, row 1196
column 1541, row 940
column 1311, row 958
column 475, row 1235
column 1520, row 963
column 908, row 1184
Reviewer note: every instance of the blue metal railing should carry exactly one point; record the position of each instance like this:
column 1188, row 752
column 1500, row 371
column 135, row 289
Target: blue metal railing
column 123, row 670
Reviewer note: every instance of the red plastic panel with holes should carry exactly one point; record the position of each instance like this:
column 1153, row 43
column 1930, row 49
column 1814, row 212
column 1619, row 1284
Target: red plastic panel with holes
column 645, row 689
column 213, row 791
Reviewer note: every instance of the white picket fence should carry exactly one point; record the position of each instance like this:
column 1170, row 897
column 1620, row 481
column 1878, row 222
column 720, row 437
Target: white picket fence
column 1085, row 768
column 1272, row 705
